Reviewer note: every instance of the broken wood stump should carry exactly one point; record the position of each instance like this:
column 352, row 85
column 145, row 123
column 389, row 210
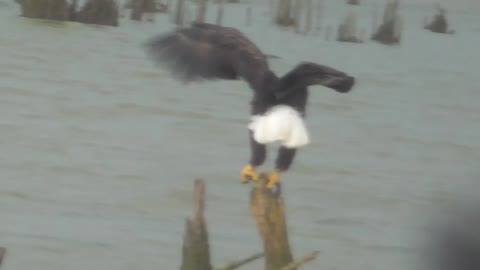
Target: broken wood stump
column 220, row 12
column 141, row 7
column 283, row 16
column 389, row 32
column 101, row 12
column 179, row 17
column 201, row 11
column 439, row 23
column 267, row 208
column 196, row 246
column 347, row 31
column 45, row 9
column 196, row 250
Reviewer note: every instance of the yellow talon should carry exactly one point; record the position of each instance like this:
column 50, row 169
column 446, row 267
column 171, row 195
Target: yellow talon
column 273, row 180
column 249, row 174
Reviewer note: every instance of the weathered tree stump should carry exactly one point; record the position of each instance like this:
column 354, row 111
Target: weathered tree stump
column 220, row 12
column 140, row 7
column 179, row 18
column 284, row 13
column 439, row 24
column 201, row 11
column 2, row 254
column 45, row 9
column 303, row 16
column 137, row 13
column 102, row 12
column 248, row 16
column 196, row 249
column 297, row 15
column 72, row 11
column 308, row 16
column 347, row 31
column 389, row 31
column 149, row 5
column 318, row 15
column 267, row 208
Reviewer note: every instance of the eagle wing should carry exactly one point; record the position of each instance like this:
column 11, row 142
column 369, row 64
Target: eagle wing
column 205, row 51
column 307, row 74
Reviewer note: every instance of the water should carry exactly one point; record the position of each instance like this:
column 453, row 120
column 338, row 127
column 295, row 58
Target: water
column 100, row 148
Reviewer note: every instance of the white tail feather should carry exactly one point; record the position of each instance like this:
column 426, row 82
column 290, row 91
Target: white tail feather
column 280, row 123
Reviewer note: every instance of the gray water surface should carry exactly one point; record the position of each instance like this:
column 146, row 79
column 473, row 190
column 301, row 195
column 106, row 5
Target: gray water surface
column 99, row 149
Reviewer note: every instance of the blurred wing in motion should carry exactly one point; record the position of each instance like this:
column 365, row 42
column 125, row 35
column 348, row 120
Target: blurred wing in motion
column 205, row 51
column 307, row 73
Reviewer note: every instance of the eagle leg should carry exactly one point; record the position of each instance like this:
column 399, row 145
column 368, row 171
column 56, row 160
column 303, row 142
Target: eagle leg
column 249, row 174
column 257, row 157
column 273, row 179
column 283, row 162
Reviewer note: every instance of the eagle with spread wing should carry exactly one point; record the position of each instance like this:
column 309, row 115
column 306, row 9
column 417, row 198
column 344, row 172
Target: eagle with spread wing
column 204, row 51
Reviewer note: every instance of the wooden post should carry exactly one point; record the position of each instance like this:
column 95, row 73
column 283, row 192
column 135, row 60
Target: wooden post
column 318, row 16
column 220, row 12
column 308, row 16
column 179, row 18
column 389, row 32
column 248, row 19
column 439, row 24
column 170, row 10
column 267, row 208
column 188, row 14
column 271, row 8
column 283, row 13
column 297, row 18
column 45, row 9
column 101, row 12
column 196, row 251
column 273, row 15
column 137, row 10
column 201, row 10
column 347, row 31
column 374, row 17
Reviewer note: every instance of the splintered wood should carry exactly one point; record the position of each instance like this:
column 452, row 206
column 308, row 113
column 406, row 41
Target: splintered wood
column 267, row 208
column 196, row 250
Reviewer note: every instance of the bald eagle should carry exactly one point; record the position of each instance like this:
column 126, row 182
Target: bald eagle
column 203, row 51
